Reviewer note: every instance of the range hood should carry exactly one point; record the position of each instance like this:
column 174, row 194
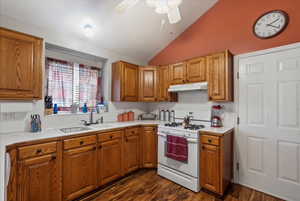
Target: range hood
column 188, row 87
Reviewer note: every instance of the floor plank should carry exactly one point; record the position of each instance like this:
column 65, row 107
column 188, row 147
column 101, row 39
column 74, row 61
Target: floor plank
column 146, row 185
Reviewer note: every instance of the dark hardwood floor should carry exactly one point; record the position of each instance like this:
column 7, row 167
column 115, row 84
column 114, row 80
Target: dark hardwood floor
column 146, row 185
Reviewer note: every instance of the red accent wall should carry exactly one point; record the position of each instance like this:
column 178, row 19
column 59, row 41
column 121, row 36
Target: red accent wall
column 228, row 25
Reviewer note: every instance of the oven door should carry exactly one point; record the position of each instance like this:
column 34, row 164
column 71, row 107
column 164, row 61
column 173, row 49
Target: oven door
column 191, row 167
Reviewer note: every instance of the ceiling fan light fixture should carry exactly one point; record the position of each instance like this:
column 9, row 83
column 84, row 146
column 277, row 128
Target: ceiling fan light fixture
column 174, row 15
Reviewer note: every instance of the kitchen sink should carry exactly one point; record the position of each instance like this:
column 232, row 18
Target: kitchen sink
column 74, row 129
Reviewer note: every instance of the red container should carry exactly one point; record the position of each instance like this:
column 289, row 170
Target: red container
column 131, row 116
column 120, row 117
column 125, row 116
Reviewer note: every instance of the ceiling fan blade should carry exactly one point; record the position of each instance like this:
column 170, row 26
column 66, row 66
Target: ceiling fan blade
column 126, row 4
column 174, row 15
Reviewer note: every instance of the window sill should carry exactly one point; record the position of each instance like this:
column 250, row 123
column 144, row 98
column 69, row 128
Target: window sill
column 66, row 113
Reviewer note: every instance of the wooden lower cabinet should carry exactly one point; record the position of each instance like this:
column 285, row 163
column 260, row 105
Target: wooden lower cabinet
column 149, row 147
column 71, row 167
column 131, row 154
column 110, row 157
column 39, row 179
column 79, row 171
column 216, row 161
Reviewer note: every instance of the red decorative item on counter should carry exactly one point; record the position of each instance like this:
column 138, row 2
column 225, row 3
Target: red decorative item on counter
column 131, row 116
column 125, row 116
column 120, row 117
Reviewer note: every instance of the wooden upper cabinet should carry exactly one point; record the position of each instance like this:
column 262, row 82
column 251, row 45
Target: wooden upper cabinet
column 20, row 66
column 148, row 77
column 220, row 76
column 163, row 86
column 196, row 70
column 79, row 171
column 125, row 81
column 178, row 73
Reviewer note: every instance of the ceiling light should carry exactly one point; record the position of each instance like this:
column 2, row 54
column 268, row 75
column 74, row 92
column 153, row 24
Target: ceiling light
column 88, row 30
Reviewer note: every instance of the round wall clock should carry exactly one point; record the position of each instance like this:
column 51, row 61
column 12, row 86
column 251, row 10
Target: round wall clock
column 270, row 24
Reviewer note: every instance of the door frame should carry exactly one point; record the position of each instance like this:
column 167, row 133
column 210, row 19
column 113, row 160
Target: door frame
column 236, row 98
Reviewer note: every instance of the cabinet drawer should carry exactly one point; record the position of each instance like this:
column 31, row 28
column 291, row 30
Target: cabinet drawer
column 79, row 141
column 132, row 131
column 149, row 128
column 208, row 139
column 37, row 150
column 109, row 136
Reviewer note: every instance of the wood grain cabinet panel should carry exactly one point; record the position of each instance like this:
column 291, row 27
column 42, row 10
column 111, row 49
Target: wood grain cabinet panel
column 149, row 147
column 20, row 66
column 125, row 83
column 196, row 70
column 110, row 158
column 79, row 171
column 163, row 86
column 178, row 73
column 220, row 76
column 131, row 150
column 216, row 162
column 39, row 178
column 148, row 80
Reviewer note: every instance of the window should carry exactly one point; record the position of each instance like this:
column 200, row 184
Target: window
column 70, row 82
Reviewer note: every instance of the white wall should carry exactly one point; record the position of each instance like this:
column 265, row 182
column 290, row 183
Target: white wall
column 12, row 122
column 196, row 102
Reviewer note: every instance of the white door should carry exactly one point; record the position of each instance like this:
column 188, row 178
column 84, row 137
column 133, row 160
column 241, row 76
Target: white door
column 268, row 140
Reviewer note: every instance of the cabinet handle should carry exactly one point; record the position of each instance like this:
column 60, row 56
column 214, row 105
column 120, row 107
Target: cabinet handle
column 94, row 148
column 111, row 137
column 81, row 142
column 38, row 151
column 126, row 139
column 203, row 147
column 53, row 157
column 209, row 140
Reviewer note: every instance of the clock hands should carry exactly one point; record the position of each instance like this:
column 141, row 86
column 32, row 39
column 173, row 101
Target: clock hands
column 271, row 24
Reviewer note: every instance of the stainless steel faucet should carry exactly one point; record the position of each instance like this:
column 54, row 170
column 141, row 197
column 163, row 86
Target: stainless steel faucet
column 91, row 120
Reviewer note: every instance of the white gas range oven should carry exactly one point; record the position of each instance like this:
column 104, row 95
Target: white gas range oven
column 185, row 173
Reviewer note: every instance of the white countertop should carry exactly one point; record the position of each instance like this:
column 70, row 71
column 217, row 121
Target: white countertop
column 18, row 137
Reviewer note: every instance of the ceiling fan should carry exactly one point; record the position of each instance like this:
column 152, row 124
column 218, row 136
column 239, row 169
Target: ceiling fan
column 169, row 7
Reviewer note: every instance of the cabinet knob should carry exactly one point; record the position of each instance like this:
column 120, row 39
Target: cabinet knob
column 111, row 137
column 203, row 147
column 209, row 140
column 100, row 147
column 53, row 157
column 38, row 151
column 94, row 148
column 81, row 142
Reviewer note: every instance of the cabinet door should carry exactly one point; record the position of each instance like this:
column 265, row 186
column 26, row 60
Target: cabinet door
column 39, row 179
column 131, row 153
column 79, row 171
column 220, row 77
column 196, row 70
column 130, row 82
column 178, row 73
column 109, row 160
column 20, row 66
column 210, row 168
column 148, row 83
column 149, row 146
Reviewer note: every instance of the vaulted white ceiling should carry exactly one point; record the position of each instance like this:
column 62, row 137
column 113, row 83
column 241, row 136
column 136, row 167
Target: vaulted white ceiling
column 136, row 32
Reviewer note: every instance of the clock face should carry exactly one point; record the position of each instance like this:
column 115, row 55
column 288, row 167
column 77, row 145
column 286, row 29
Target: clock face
column 270, row 24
